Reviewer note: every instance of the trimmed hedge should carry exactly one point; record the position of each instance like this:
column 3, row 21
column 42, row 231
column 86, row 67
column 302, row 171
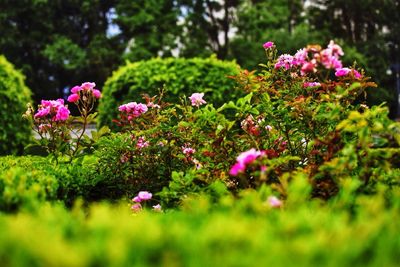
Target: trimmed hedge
column 14, row 95
column 178, row 76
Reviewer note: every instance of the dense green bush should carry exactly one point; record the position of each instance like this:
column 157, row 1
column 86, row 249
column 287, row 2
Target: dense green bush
column 23, row 183
column 14, row 95
column 178, row 76
column 65, row 181
column 243, row 232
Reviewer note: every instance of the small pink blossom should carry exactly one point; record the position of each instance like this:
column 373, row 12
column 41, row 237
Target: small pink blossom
column 268, row 45
column 311, row 84
column 244, row 159
column 136, row 199
column 136, row 207
column 308, row 67
column 357, row 75
column 73, row 98
column 96, row 93
column 76, row 89
column 87, row 86
column 268, row 128
column 145, row 195
column 342, row 72
column 157, row 208
column 197, row 99
column 142, row 143
column 152, row 105
column 263, row 168
column 188, row 151
column 274, row 202
column 335, row 48
column 42, row 112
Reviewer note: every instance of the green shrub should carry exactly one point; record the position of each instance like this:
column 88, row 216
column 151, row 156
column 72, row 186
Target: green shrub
column 179, row 77
column 67, row 181
column 201, row 234
column 14, row 95
column 22, row 185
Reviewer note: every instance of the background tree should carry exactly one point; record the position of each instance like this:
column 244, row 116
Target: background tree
column 148, row 28
column 58, row 43
column 207, row 27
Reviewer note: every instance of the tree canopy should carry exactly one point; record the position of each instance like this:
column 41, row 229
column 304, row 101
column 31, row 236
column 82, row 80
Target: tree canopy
column 57, row 44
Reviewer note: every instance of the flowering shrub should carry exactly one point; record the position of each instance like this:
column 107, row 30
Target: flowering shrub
column 295, row 119
column 59, row 133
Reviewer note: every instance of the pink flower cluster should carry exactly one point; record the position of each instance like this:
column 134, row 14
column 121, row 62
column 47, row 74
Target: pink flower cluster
column 345, row 71
column 188, row 151
column 140, row 198
column 87, row 88
column 133, row 110
column 142, row 143
column 244, row 159
column 197, row 99
column 53, row 109
column 308, row 59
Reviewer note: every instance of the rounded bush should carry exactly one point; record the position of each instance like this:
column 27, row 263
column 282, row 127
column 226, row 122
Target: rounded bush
column 14, row 95
column 179, row 76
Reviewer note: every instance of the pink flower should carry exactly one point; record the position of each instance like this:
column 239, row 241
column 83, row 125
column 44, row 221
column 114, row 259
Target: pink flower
column 188, row 151
column 285, row 61
column 96, row 93
column 197, row 99
column 55, row 109
column 157, row 208
column 42, row 112
column 335, row 48
column 62, row 114
column 152, row 105
column 248, row 156
column 87, row 86
column 144, row 195
column 76, row 89
column 357, row 75
column 133, row 109
column 73, row 98
column 268, row 45
column 268, row 128
column 136, row 207
column 342, row 72
column 274, row 202
column 300, row 57
column 308, row 67
column 136, row 199
column 142, row 143
column 311, row 84
column 237, row 168
column 244, row 159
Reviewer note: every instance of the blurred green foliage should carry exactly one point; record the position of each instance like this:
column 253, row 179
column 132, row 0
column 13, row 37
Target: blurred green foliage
column 244, row 232
column 14, row 96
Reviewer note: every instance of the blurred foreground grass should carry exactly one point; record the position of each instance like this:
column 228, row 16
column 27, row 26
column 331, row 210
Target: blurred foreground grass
column 246, row 232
